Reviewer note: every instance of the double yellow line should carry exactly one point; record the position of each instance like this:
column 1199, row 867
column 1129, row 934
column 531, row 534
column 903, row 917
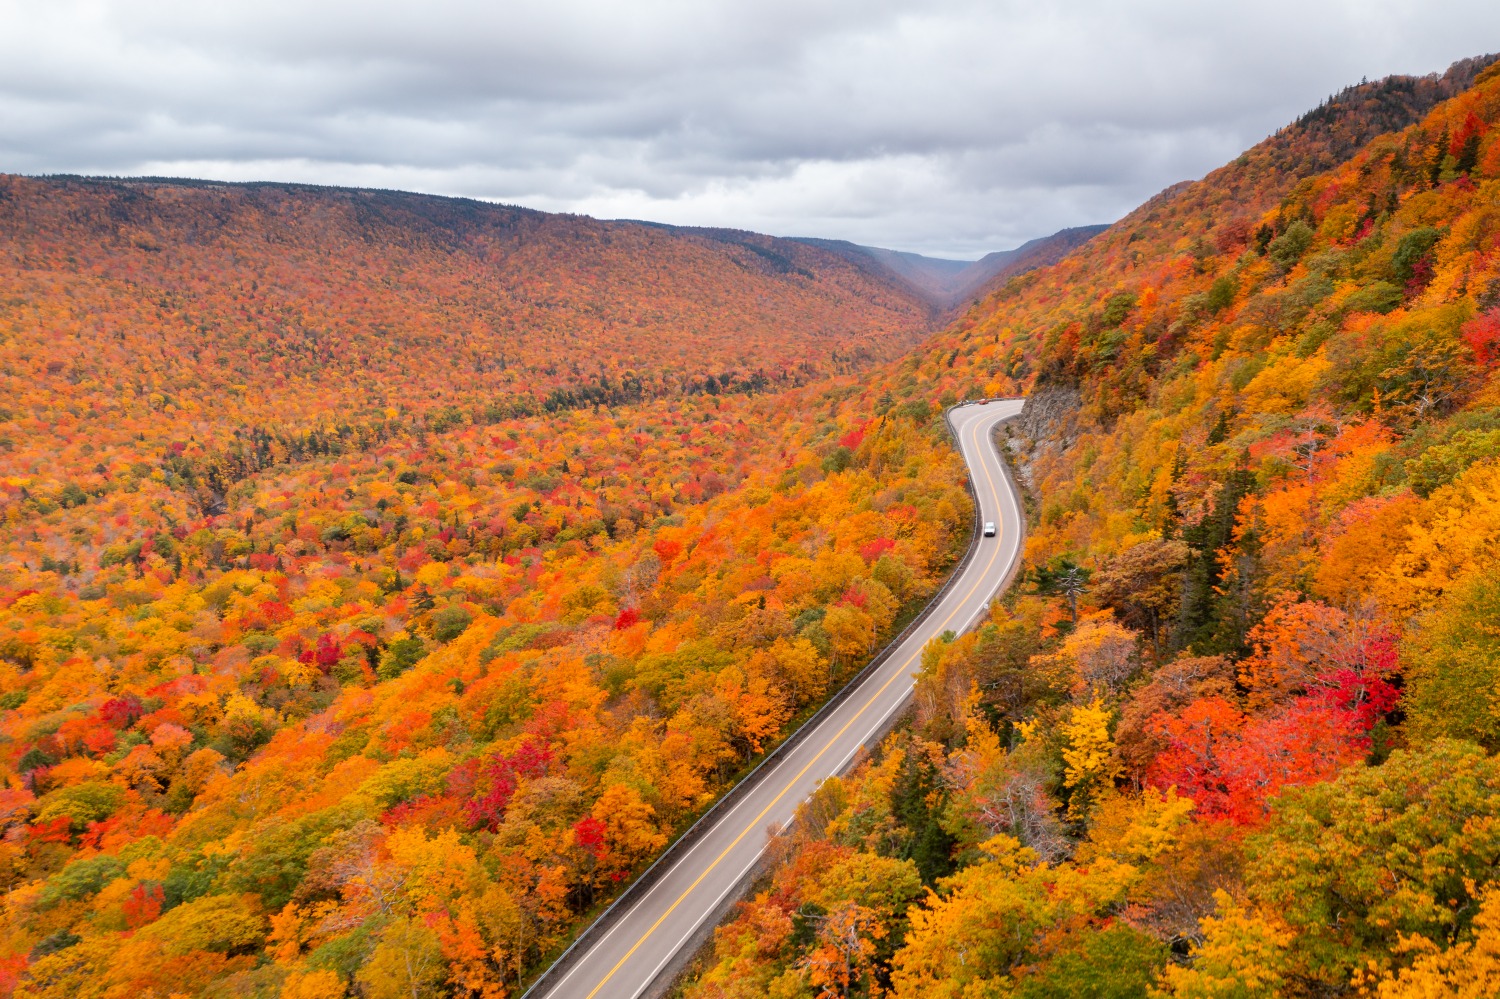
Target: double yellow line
column 755, row 822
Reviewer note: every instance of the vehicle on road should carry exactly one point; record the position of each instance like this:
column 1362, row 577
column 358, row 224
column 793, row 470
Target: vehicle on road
column 653, row 929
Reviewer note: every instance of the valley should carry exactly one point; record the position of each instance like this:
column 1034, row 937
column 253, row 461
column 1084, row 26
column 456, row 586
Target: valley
column 647, row 936
column 389, row 580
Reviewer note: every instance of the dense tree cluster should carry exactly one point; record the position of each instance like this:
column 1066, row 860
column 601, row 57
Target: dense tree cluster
column 385, row 579
column 1233, row 736
column 211, row 331
column 533, row 649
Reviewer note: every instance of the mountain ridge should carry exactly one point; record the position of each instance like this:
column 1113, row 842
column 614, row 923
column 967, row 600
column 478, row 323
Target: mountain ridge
column 944, row 283
column 1262, row 432
column 951, row 283
column 381, row 590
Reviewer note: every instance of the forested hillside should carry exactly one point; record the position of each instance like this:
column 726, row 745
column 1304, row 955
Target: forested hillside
column 385, row 580
column 1234, row 735
column 348, row 534
column 234, row 325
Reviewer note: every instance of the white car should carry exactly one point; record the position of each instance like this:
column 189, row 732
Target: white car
column 989, row 528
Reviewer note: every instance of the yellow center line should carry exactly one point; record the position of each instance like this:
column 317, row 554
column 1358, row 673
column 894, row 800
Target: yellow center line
column 755, row 822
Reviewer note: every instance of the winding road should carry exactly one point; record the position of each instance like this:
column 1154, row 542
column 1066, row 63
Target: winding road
column 651, row 932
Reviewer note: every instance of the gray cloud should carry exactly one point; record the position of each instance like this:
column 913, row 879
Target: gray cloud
column 944, row 126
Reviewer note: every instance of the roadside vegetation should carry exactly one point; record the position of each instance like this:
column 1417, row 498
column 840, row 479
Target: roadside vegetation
column 368, row 656
column 1233, row 736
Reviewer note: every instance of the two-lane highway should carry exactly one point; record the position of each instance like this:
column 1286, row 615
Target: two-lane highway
column 623, row 958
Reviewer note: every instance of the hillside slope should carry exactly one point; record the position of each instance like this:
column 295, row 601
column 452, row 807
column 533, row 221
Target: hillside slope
column 1236, row 734
column 383, row 579
column 151, row 303
column 346, row 660
column 932, row 277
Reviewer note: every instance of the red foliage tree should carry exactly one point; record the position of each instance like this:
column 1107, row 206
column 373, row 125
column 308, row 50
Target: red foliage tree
column 497, row 779
column 1482, row 336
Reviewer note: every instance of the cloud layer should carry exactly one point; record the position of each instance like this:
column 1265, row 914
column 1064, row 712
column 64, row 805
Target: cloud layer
column 943, row 126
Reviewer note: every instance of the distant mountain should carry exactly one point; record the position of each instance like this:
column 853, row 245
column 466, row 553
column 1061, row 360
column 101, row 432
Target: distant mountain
column 948, row 284
column 932, row 277
column 268, row 289
column 996, row 268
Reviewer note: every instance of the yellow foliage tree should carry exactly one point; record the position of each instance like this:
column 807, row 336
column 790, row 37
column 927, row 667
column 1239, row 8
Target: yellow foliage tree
column 1092, row 764
column 319, row 984
column 1467, row 970
column 851, row 630
column 1243, row 956
column 630, row 827
column 406, row 964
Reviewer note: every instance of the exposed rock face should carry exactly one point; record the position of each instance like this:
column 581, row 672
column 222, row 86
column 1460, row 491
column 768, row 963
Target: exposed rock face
column 1047, row 426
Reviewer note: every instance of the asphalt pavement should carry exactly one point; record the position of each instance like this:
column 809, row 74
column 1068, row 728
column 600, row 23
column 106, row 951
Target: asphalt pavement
column 638, row 945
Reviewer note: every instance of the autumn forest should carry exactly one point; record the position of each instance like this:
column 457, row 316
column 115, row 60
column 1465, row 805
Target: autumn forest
column 387, row 579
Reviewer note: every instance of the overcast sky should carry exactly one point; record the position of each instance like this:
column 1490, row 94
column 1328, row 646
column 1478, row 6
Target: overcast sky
column 950, row 128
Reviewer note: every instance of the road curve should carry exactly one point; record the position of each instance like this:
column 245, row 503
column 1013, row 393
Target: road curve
column 627, row 953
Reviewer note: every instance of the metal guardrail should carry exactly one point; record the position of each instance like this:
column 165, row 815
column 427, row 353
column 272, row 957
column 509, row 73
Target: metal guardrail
column 648, row 878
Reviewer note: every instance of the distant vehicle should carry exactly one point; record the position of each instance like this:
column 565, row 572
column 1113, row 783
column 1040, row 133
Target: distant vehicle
column 989, row 528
